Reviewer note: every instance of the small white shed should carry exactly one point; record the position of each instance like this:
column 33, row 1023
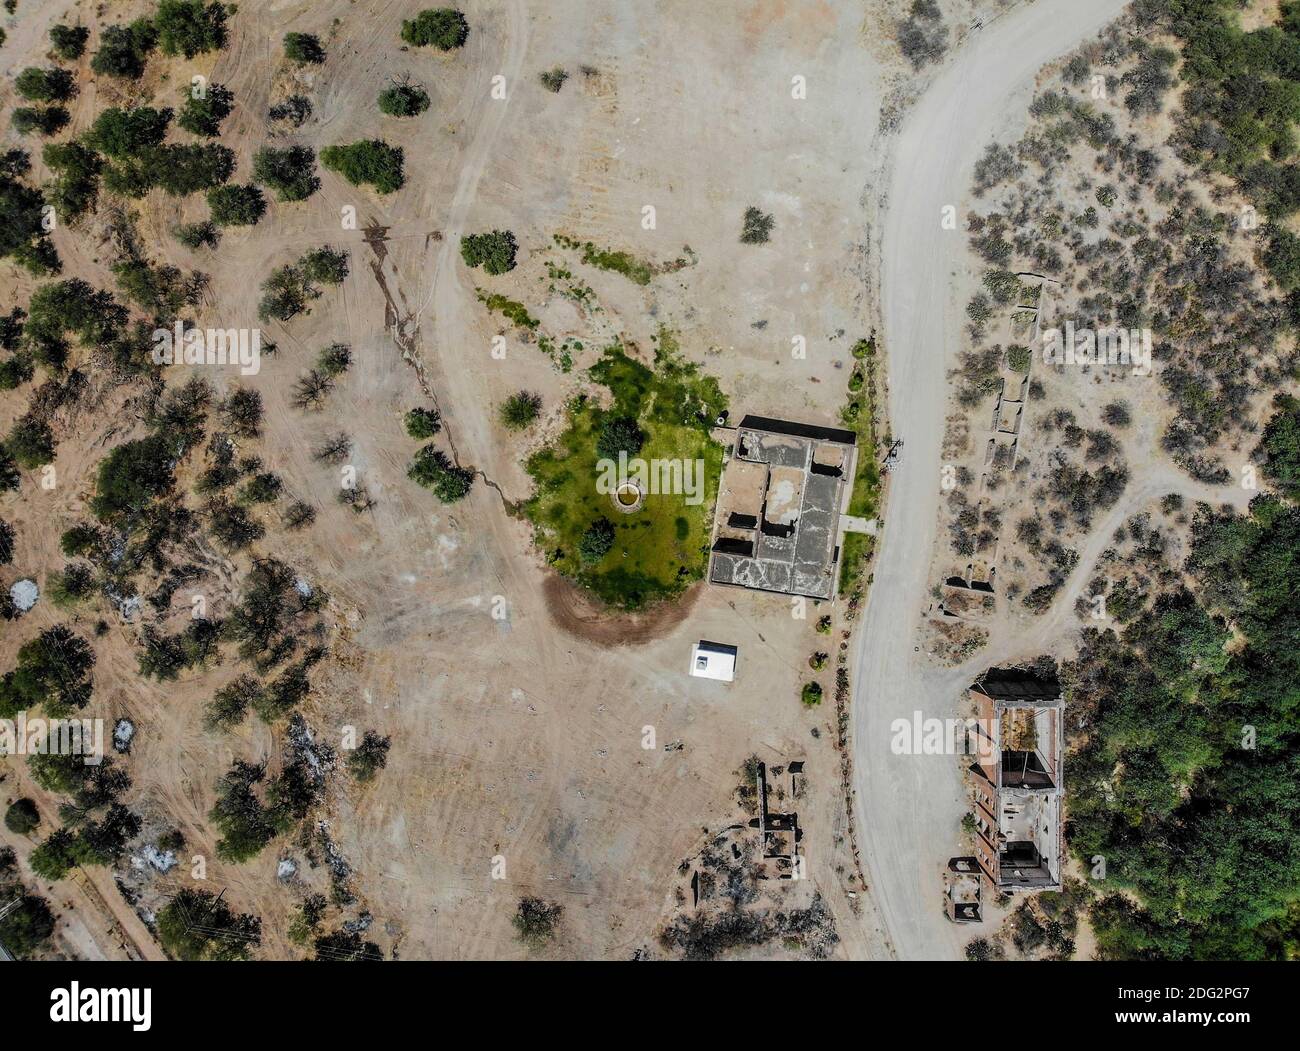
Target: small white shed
column 713, row 660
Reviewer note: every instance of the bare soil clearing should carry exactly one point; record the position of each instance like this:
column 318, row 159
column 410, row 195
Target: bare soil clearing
column 516, row 736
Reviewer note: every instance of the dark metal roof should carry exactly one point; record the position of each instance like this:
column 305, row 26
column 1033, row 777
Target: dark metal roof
column 1015, row 684
column 799, row 430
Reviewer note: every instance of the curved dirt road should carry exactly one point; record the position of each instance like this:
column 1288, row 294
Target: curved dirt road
column 910, row 806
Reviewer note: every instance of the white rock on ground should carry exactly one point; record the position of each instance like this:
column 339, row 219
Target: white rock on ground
column 24, row 593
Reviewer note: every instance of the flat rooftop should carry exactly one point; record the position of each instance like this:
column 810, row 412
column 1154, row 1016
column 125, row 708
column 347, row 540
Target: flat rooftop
column 779, row 506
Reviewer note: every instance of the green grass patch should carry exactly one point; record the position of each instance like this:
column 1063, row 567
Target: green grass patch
column 859, row 415
column 509, row 308
column 659, row 550
column 638, row 271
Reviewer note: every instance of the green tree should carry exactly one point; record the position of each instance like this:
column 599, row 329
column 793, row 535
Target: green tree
column 22, row 816
column 494, row 251
column 596, row 541
column 444, row 28
column 203, row 115
column 52, row 673
column 422, row 424
column 23, row 237
column 370, row 162
column 236, row 205
column 69, row 42
column 76, row 177
column 290, row 172
column 197, row 925
column 190, row 27
column 369, row 757
column 132, row 475
column 230, row 704
column 30, row 442
column 123, row 50
column 125, row 132
column 432, row 469
column 27, row 926
column 45, row 85
column 45, row 120
column 619, row 434
column 1279, row 448
column 1282, row 257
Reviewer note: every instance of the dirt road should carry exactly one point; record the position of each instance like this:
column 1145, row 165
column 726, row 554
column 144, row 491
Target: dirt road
column 911, row 806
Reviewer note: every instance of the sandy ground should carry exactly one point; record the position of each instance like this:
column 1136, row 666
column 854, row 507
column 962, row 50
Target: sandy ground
column 911, row 806
column 521, row 736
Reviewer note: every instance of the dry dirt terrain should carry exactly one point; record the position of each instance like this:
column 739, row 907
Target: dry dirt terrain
column 516, row 711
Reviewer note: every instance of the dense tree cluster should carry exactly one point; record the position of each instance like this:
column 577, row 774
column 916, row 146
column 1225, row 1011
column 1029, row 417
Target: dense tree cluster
column 1185, row 779
column 434, row 470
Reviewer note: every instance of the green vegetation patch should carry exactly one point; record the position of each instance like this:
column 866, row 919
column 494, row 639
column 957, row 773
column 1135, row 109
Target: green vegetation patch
column 510, row 308
column 1185, row 781
column 635, row 270
column 370, row 162
column 444, row 28
column 662, row 548
column 859, row 415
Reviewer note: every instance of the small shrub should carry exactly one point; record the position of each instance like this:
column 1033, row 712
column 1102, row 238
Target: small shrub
column 521, row 409
column 403, row 100
column 295, row 109
column 553, row 79
column 535, row 921
column 1117, row 414
column 303, row 48
column 198, row 235
column 756, row 227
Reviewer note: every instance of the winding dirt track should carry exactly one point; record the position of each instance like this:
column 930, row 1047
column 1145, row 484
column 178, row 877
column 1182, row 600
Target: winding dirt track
column 910, row 806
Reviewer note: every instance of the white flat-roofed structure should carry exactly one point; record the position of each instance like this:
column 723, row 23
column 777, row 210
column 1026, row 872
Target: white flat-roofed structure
column 713, row 660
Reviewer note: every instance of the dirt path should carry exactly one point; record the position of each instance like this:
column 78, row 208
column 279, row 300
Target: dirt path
column 910, row 806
